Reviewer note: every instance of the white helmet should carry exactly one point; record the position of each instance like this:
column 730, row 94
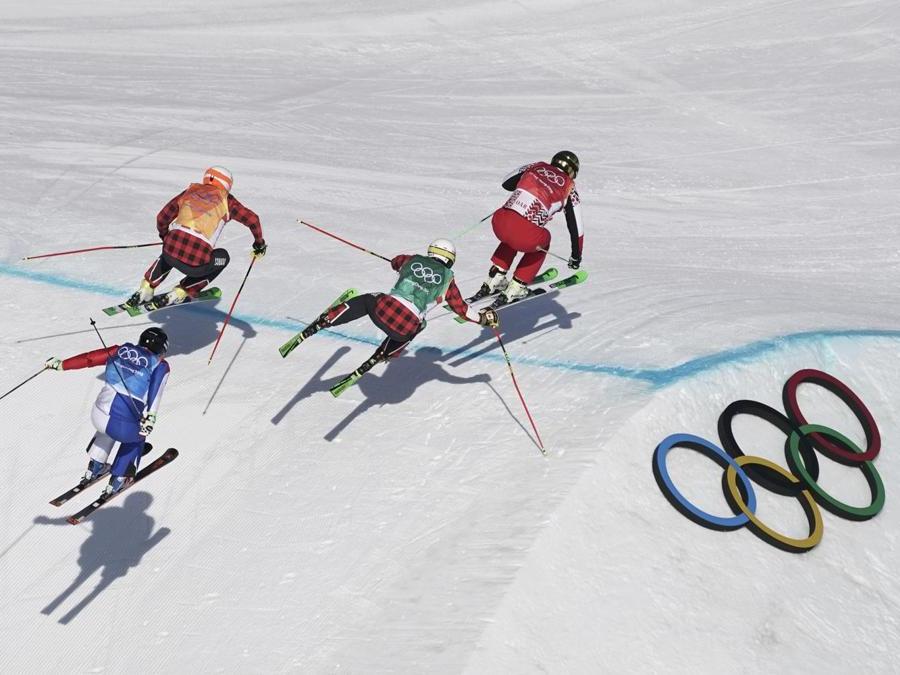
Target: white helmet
column 443, row 250
column 218, row 175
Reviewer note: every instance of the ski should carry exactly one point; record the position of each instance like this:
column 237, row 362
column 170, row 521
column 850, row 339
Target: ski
column 83, row 484
column 353, row 377
column 292, row 344
column 147, row 307
column 344, row 384
column 548, row 274
column 78, row 489
column 572, row 280
column 152, row 467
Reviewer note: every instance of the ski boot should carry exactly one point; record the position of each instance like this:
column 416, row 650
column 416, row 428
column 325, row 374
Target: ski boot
column 174, row 297
column 495, row 283
column 94, row 469
column 117, row 484
column 516, row 290
column 141, row 295
column 324, row 321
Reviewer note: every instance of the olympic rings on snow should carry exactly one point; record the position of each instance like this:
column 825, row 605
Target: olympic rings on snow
column 799, row 481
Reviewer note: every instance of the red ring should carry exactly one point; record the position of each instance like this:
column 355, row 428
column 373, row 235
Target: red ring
column 850, row 399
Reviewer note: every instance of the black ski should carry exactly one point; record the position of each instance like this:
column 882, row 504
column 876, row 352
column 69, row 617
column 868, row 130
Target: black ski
column 83, row 484
column 78, row 489
column 152, row 467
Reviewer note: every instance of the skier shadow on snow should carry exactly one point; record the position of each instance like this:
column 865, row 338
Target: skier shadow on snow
column 315, row 385
column 517, row 323
column 399, row 381
column 119, row 539
column 193, row 328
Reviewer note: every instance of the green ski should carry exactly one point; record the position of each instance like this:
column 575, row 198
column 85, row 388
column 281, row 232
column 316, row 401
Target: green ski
column 292, row 344
column 548, row 274
column 572, row 280
column 146, row 307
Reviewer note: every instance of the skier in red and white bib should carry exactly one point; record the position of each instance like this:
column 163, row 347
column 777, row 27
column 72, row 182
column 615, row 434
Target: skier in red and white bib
column 539, row 191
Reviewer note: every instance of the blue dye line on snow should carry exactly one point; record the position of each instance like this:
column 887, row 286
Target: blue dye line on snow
column 657, row 377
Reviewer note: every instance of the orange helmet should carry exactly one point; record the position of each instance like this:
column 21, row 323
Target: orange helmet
column 218, row 175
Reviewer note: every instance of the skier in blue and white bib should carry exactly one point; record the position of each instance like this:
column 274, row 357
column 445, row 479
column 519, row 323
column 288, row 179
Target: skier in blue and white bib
column 126, row 408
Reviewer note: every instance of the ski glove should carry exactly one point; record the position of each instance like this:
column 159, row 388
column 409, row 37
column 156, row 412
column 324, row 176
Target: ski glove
column 259, row 249
column 488, row 317
column 53, row 363
column 574, row 262
column 147, row 422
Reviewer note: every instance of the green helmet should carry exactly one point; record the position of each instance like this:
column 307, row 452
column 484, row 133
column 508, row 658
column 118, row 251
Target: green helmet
column 567, row 161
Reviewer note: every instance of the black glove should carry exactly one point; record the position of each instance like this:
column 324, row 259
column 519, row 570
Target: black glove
column 488, row 317
column 574, row 262
column 259, row 249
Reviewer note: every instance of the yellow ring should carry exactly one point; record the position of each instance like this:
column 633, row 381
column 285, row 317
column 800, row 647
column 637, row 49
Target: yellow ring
column 813, row 515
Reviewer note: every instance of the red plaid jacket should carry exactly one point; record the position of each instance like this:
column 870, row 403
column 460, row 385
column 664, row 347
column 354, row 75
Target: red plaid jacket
column 397, row 317
column 192, row 250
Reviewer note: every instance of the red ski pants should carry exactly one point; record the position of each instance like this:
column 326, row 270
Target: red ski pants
column 519, row 235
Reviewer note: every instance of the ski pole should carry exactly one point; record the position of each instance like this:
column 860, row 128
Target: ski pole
column 334, row 236
column 565, row 260
column 466, row 230
column 228, row 316
column 119, row 372
column 23, row 383
column 95, row 248
column 519, row 391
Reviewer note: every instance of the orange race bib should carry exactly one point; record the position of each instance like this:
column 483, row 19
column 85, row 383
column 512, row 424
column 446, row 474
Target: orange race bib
column 202, row 208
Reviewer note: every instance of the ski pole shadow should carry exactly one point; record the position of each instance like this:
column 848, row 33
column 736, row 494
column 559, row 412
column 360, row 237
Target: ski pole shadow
column 516, row 323
column 402, row 376
column 313, row 386
column 119, row 538
column 105, row 329
column 195, row 327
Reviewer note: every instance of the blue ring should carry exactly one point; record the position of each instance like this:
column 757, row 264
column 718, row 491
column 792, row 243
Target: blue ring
column 712, row 451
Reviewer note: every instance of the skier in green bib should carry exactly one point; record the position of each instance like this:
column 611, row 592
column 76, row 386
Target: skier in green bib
column 424, row 280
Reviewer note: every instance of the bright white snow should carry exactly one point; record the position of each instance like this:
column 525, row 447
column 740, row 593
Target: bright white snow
column 739, row 183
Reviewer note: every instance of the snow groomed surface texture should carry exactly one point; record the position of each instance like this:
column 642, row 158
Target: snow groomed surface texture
column 739, row 184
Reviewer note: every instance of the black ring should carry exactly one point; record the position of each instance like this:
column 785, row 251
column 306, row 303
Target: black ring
column 764, row 477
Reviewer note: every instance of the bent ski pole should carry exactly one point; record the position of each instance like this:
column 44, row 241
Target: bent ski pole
column 519, row 392
column 119, row 372
column 86, row 250
column 334, row 236
column 26, row 381
column 565, row 260
column 228, row 316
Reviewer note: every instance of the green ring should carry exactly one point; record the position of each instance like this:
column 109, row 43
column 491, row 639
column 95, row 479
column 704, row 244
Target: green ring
column 826, row 500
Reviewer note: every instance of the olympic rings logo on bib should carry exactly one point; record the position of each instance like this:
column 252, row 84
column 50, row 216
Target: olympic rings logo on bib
column 799, row 480
column 133, row 356
column 551, row 176
column 426, row 274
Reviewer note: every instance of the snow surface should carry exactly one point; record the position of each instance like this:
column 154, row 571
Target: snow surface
column 739, row 185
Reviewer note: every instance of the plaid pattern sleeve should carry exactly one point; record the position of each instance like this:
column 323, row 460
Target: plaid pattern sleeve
column 394, row 316
column 399, row 261
column 240, row 213
column 165, row 217
column 455, row 300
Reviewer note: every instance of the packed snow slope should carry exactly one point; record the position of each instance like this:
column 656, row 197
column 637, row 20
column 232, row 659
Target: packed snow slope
column 739, row 182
